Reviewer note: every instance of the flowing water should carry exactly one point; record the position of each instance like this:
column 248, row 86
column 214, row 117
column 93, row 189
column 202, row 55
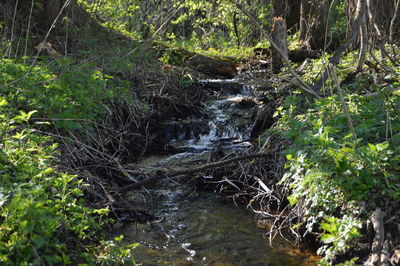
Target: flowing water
column 197, row 227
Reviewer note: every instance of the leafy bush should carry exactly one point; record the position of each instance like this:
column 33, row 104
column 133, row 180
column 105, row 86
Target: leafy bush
column 37, row 201
column 330, row 173
column 66, row 92
column 44, row 219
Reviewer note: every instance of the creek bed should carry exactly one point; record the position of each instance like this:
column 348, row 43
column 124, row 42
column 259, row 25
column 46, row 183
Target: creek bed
column 203, row 229
column 200, row 228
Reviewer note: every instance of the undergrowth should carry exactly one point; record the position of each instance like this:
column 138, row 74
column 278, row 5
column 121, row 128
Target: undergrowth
column 60, row 90
column 44, row 217
column 337, row 178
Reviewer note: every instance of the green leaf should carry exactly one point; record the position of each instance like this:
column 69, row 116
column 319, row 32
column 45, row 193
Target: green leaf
column 293, row 200
column 289, row 157
column 327, row 238
column 48, row 171
column 3, row 102
column 327, row 227
column 372, row 147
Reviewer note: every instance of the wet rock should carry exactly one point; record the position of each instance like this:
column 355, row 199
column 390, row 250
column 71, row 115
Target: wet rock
column 246, row 103
column 225, row 140
column 223, row 87
column 185, row 129
column 264, row 119
column 190, row 149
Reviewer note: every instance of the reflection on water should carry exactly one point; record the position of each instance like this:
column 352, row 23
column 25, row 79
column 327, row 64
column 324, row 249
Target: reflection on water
column 198, row 229
column 208, row 231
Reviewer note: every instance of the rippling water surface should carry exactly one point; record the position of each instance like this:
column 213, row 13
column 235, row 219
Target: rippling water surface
column 199, row 228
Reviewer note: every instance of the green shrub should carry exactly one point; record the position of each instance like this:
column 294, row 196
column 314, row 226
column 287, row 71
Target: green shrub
column 66, row 93
column 44, row 219
column 330, row 173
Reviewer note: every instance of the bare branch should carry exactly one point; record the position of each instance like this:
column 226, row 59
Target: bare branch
column 190, row 171
column 300, row 83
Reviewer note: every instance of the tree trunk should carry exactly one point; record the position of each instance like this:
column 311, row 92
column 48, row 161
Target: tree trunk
column 279, row 37
column 382, row 15
column 289, row 10
column 363, row 40
column 313, row 21
column 304, row 11
column 52, row 8
column 394, row 30
column 279, row 8
column 383, row 12
column 350, row 8
column 334, row 60
column 293, row 16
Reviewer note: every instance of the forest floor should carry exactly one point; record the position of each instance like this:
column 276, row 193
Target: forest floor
column 106, row 106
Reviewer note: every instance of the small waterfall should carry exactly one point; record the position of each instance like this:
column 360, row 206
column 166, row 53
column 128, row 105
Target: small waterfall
column 199, row 228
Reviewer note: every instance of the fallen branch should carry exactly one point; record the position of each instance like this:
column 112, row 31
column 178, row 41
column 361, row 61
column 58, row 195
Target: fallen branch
column 190, row 171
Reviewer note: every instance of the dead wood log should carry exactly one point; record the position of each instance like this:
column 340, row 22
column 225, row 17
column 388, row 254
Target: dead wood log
column 279, row 36
column 214, row 66
column 385, row 254
column 190, row 171
column 221, row 66
column 377, row 244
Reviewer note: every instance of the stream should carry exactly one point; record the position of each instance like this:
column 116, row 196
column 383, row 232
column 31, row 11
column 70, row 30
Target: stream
column 196, row 227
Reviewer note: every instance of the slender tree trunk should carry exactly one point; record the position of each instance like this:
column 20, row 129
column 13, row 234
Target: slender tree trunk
column 280, row 7
column 383, row 13
column 334, row 60
column 394, row 31
column 364, row 40
column 253, row 20
column 293, row 15
column 235, row 28
column 52, row 9
column 375, row 18
column 350, row 8
column 313, row 21
column 304, row 11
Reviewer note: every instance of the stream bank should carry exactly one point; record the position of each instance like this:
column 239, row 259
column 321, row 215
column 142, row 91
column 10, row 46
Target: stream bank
column 192, row 225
